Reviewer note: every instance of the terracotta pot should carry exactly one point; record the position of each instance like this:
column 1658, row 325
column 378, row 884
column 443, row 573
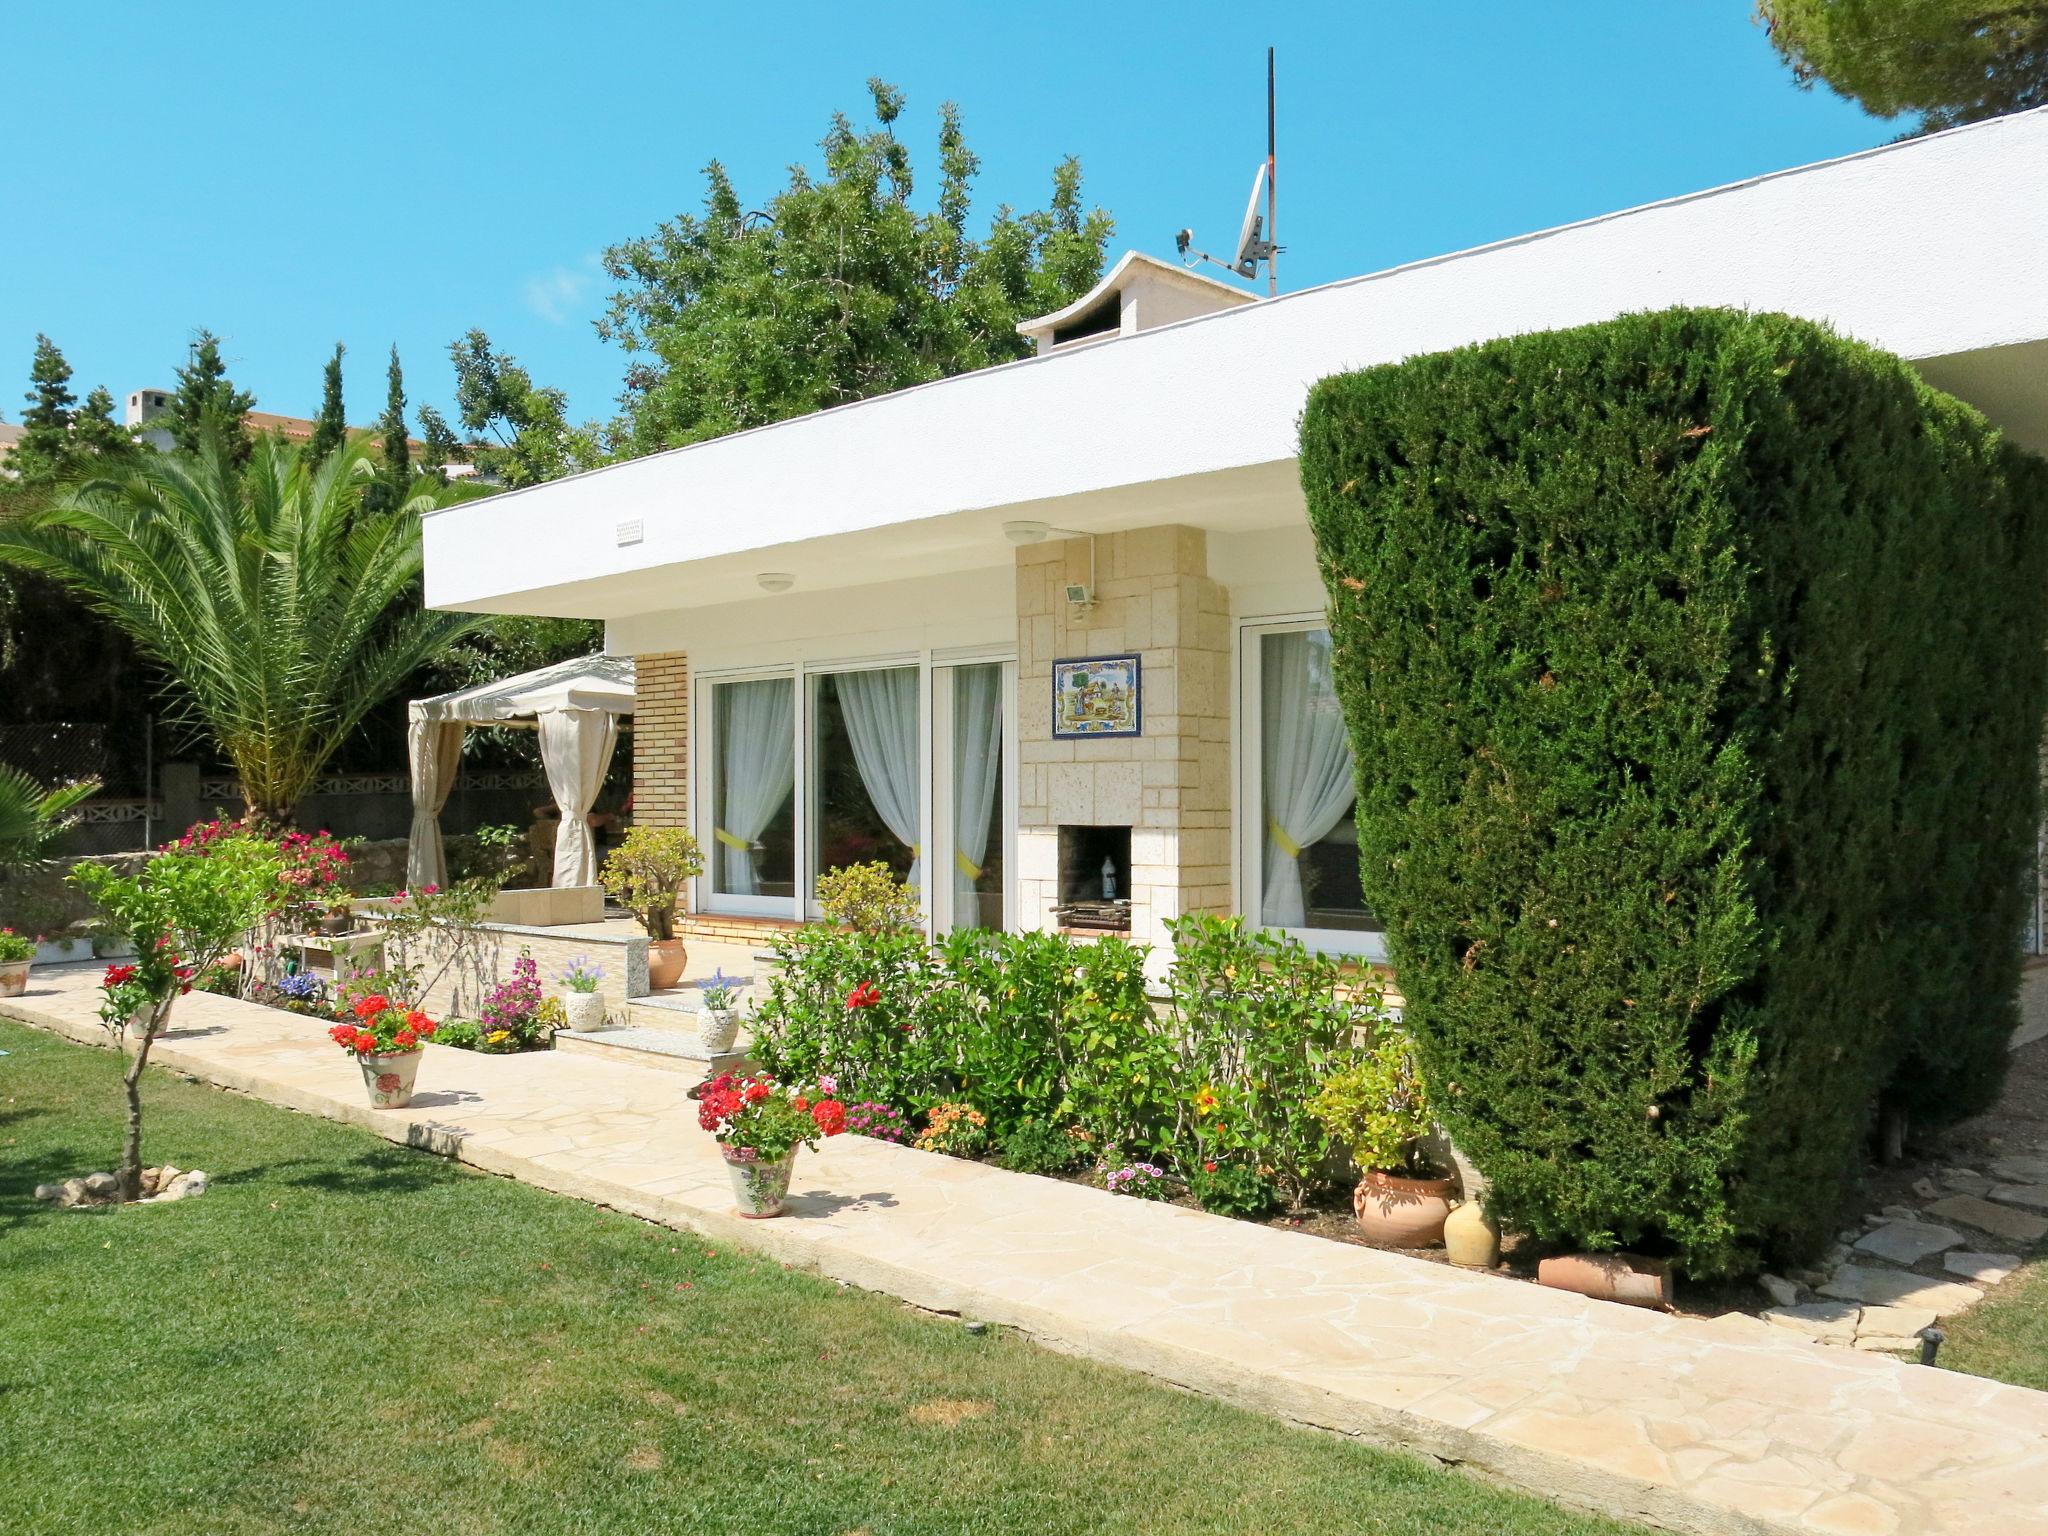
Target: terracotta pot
column 14, row 977
column 1402, row 1213
column 758, row 1187
column 717, row 1029
column 1625, row 1277
column 390, row 1078
column 1471, row 1237
column 665, row 961
column 585, row 1010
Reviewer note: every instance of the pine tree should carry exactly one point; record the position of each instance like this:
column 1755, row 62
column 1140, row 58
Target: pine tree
column 206, row 400
column 441, row 447
column 97, row 436
column 330, row 427
column 394, row 476
column 45, row 442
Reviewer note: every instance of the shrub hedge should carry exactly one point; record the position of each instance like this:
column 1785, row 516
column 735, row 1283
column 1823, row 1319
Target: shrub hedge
column 1693, row 665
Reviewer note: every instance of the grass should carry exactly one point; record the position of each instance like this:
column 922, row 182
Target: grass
column 2006, row 1334
column 347, row 1336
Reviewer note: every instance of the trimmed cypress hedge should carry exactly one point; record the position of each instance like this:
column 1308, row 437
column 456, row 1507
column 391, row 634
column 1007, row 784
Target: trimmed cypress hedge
column 1694, row 667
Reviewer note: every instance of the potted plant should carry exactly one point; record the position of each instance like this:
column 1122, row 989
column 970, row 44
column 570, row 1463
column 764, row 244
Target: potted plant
column 581, row 1000
column 387, row 1041
column 339, row 918
column 1377, row 1109
column 17, row 955
column 759, row 1124
column 718, row 1023
column 646, row 874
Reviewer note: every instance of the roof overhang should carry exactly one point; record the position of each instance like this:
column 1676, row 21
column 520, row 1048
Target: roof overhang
column 1935, row 248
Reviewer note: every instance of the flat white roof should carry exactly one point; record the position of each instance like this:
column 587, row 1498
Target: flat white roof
column 1935, row 248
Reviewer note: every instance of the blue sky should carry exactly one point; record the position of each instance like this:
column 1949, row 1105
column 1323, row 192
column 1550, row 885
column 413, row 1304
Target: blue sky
column 421, row 169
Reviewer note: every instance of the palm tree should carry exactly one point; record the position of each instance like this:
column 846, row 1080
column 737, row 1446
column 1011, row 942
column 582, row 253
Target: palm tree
column 32, row 818
column 281, row 610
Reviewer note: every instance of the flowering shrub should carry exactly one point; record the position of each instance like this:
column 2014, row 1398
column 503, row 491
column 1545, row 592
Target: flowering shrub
column 297, row 992
column 769, row 1119
column 381, row 1028
column 878, row 1121
column 959, row 1130
column 513, row 1016
column 579, row 975
column 1147, row 1181
column 14, row 947
column 1233, row 1187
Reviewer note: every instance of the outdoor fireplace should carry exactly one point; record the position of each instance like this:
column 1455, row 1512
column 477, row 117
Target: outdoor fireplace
column 1095, row 879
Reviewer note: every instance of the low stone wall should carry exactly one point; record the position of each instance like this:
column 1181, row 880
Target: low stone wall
column 457, row 989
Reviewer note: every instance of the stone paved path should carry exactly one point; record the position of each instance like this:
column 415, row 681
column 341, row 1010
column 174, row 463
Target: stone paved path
column 1730, row 1426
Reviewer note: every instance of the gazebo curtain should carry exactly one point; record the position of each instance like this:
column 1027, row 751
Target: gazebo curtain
column 433, row 748
column 1306, row 761
column 977, row 770
column 759, row 773
column 575, row 750
column 880, row 709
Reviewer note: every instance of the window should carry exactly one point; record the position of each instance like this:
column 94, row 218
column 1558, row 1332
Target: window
column 1299, row 840
column 979, row 816
column 865, row 782
column 753, row 781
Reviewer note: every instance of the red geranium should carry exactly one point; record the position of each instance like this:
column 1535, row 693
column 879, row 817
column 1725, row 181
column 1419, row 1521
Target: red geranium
column 117, row 974
column 830, row 1116
column 866, row 995
column 765, row 1117
column 382, row 1029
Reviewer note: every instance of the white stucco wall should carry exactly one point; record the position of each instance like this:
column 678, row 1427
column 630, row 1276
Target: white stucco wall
column 1930, row 248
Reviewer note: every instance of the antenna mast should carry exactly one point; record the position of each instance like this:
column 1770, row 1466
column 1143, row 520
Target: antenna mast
column 1272, row 196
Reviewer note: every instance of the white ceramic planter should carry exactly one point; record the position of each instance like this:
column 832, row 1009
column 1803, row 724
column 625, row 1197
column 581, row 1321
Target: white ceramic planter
column 717, row 1029
column 389, row 1079
column 585, row 1010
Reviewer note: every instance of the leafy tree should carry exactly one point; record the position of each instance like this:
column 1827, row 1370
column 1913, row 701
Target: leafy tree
column 33, row 818
column 519, row 431
column 207, row 402
column 1950, row 61
column 440, row 447
column 840, row 290
column 394, row 471
column 330, row 427
column 280, row 608
column 45, row 442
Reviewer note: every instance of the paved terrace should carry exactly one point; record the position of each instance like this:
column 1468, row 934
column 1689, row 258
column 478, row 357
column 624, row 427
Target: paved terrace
column 1729, row 1426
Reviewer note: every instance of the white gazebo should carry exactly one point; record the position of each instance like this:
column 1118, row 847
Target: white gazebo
column 575, row 705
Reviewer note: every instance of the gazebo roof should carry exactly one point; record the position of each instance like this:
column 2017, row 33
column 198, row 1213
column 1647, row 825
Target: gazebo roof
column 589, row 682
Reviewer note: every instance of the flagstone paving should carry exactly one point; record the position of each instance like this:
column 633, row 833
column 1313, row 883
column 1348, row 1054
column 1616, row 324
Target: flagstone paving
column 1725, row 1426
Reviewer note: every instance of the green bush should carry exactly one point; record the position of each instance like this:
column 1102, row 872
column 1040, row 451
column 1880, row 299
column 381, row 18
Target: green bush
column 1693, row 665
column 1040, row 1146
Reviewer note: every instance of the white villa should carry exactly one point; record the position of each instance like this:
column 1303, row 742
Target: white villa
column 847, row 626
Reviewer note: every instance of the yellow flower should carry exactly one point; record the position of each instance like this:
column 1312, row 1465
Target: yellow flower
column 497, row 1035
column 1205, row 1101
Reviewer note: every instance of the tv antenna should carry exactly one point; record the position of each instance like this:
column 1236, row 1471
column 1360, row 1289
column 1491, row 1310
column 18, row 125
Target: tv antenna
column 1255, row 233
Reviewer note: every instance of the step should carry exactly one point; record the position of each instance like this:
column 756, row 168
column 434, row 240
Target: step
column 667, row 1050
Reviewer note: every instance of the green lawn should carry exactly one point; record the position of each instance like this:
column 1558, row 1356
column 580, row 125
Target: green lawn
column 345, row 1336
column 2006, row 1334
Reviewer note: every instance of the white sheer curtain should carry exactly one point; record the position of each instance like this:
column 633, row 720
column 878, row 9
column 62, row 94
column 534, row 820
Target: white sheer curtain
column 575, row 750
column 1306, row 764
column 757, row 772
column 880, row 709
column 434, row 749
column 977, row 770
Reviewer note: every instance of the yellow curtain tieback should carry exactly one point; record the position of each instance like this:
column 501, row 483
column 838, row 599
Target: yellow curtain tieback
column 968, row 867
column 1287, row 844
column 730, row 841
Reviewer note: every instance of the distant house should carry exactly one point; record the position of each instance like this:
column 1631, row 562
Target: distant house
column 903, row 628
column 144, row 405
column 10, row 434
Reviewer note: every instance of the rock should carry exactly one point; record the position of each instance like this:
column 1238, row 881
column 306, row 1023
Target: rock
column 1967, row 1184
column 1897, row 1213
column 74, row 1191
column 1783, row 1292
column 1825, row 1322
column 1984, row 1268
column 1908, row 1242
column 1885, row 1345
column 101, row 1184
column 196, row 1182
column 1926, row 1189
column 1897, row 1288
column 2020, row 1170
column 1894, row 1322
column 1999, row 1220
column 1812, row 1279
column 2033, row 1196
column 1961, row 1173
column 49, row 1191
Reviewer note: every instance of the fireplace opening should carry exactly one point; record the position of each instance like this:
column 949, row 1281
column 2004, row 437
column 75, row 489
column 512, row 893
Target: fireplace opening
column 1095, row 879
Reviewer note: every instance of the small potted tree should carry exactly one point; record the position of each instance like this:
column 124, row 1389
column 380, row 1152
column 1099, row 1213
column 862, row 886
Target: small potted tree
column 387, row 1040
column 646, row 875
column 1377, row 1110
column 759, row 1124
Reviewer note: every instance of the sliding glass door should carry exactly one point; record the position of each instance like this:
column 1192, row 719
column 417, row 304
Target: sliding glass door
column 974, row 704
column 753, row 799
column 866, row 784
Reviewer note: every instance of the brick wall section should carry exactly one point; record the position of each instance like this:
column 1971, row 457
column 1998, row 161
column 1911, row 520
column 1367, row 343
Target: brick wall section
column 1170, row 785
column 661, row 740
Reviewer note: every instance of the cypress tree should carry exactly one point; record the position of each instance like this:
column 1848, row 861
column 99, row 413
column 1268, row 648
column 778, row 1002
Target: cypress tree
column 394, row 474
column 1694, row 670
column 206, row 401
column 330, row 427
